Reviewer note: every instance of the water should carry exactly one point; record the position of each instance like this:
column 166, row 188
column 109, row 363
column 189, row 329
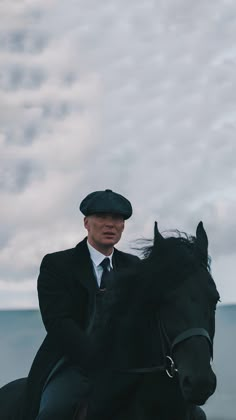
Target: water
column 22, row 333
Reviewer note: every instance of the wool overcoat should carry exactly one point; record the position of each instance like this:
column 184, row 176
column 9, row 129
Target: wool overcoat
column 67, row 290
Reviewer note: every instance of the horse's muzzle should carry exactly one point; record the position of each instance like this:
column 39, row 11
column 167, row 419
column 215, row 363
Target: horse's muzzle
column 198, row 388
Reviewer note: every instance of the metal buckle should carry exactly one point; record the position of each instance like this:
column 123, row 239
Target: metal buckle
column 171, row 369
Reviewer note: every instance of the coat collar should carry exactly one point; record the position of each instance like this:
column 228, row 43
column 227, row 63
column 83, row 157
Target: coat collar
column 97, row 257
column 85, row 266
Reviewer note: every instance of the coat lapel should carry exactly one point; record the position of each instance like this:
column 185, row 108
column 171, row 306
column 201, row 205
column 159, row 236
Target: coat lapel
column 86, row 274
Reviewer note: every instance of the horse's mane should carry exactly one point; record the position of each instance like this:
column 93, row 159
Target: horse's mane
column 169, row 235
column 173, row 261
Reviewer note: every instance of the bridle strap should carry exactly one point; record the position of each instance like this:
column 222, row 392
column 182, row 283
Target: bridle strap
column 151, row 369
column 192, row 332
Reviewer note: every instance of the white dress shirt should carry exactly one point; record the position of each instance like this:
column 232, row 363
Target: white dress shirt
column 97, row 257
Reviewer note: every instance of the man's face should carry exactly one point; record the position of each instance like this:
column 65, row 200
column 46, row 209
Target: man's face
column 104, row 230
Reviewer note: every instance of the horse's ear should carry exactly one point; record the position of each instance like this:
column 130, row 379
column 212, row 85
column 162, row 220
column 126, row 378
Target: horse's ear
column 158, row 238
column 202, row 240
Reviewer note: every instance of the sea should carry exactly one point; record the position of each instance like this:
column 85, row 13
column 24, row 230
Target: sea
column 22, row 332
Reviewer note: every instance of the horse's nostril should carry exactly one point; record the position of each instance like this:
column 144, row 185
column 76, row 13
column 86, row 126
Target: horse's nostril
column 200, row 387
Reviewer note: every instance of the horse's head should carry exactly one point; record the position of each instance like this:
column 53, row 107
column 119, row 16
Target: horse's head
column 174, row 281
column 187, row 310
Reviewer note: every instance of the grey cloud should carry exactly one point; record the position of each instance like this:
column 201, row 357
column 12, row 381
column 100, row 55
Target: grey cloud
column 57, row 110
column 70, row 78
column 5, row 235
column 20, row 77
column 30, row 133
column 153, row 85
column 23, row 137
column 23, row 41
column 37, row 120
column 17, row 176
column 30, row 128
column 9, row 274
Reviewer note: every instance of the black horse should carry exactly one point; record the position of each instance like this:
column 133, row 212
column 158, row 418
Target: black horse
column 152, row 338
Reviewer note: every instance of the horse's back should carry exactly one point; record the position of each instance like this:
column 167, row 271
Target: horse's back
column 11, row 398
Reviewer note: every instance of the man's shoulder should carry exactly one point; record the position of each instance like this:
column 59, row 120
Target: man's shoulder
column 65, row 254
column 60, row 254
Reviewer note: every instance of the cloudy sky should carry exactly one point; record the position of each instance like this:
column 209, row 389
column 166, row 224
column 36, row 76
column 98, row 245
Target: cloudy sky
column 138, row 96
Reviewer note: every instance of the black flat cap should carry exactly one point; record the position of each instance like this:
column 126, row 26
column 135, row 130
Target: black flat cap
column 106, row 202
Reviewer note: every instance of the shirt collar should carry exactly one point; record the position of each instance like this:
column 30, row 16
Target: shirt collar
column 97, row 257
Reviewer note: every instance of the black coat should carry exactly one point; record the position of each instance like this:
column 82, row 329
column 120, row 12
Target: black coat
column 67, row 291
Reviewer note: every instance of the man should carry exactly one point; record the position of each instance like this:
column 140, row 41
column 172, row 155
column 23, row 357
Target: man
column 68, row 284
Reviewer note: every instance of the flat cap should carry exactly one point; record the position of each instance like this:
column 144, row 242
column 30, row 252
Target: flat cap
column 106, row 202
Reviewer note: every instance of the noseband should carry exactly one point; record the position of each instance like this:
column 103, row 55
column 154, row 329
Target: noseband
column 171, row 369
column 169, row 365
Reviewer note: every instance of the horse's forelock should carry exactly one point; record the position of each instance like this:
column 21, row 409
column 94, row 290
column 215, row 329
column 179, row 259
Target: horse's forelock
column 173, row 240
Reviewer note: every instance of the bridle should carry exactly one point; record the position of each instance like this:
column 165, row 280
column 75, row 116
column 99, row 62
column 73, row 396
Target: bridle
column 169, row 366
column 167, row 347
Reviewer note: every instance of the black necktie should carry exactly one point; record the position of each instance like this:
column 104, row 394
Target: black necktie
column 106, row 274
